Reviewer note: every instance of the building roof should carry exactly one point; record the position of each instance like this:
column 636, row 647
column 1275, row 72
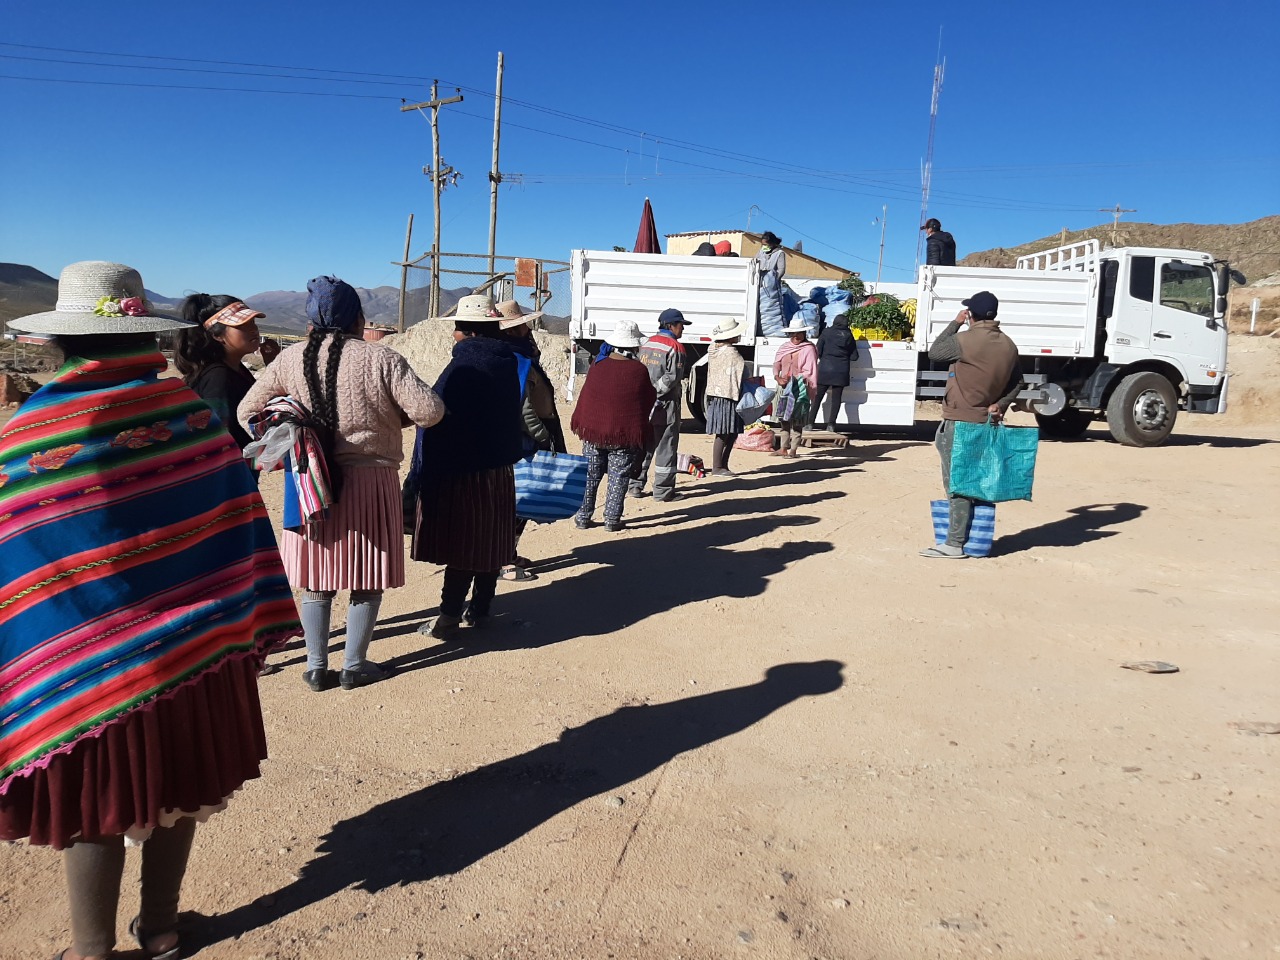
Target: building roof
column 759, row 238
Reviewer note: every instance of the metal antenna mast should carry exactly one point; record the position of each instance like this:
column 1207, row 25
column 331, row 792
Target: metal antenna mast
column 926, row 174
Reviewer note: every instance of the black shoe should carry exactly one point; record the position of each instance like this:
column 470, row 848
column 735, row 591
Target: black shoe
column 473, row 619
column 667, row 499
column 637, row 492
column 368, row 673
column 321, row 680
column 613, row 526
column 583, row 523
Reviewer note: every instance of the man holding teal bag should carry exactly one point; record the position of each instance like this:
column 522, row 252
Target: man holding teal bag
column 984, row 378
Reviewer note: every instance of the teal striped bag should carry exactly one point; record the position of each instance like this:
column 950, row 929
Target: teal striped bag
column 993, row 461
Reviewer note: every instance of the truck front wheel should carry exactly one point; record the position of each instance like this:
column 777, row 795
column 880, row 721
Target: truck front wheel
column 1067, row 425
column 1142, row 410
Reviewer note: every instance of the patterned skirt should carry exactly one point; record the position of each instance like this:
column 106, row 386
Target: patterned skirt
column 722, row 416
column 184, row 753
column 360, row 546
column 467, row 520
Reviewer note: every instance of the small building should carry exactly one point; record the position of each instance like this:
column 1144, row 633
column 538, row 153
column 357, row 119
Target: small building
column 747, row 244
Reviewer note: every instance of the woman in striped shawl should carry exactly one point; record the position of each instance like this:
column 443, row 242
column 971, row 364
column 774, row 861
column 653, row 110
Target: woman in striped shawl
column 140, row 590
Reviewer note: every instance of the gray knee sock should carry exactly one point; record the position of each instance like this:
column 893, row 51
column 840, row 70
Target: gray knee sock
column 315, row 611
column 94, row 869
column 164, row 864
column 362, row 616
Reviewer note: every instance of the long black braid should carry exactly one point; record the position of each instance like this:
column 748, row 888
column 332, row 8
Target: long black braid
column 324, row 402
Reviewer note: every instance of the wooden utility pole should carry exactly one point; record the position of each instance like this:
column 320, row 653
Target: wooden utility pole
column 495, row 177
column 404, row 273
column 438, row 178
column 1115, row 219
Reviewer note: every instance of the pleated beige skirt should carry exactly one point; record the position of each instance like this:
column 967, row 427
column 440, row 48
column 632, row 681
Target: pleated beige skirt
column 361, row 544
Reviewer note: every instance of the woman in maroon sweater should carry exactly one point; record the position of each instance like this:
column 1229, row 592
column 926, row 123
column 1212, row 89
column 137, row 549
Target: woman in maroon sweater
column 612, row 419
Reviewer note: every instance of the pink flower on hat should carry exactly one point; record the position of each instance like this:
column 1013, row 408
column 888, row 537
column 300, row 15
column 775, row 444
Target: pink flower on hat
column 133, row 307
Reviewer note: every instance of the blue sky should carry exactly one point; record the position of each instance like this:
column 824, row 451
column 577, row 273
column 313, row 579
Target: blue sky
column 815, row 115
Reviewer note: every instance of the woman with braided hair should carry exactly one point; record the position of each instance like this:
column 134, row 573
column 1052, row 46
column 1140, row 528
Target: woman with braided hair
column 362, row 396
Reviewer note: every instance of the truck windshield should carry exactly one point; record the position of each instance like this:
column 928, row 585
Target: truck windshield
column 1188, row 287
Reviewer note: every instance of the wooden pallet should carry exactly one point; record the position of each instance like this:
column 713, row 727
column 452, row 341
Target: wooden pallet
column 824, row 440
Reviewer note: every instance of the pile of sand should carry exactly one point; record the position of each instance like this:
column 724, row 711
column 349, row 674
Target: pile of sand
column 1254, row 393
column 429, row 345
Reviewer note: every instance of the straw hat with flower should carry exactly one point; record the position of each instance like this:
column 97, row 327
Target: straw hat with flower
column 96, row 297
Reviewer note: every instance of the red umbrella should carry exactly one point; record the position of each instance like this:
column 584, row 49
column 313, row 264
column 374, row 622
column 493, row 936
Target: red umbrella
column 647, row 237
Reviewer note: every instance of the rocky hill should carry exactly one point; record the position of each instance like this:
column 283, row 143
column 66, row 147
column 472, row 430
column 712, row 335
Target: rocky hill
column 1253, row 248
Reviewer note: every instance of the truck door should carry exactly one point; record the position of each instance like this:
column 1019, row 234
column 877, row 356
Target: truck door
column 1131, row 325
column 1183, row 327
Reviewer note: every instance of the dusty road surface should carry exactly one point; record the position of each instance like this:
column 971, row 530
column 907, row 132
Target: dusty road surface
column 756, row 724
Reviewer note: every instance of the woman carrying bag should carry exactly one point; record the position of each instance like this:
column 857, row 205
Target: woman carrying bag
column 725, row 367
column 796, row 371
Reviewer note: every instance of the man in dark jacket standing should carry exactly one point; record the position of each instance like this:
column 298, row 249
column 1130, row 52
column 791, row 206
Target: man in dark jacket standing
column 663, row 355
column 984, row 378
column 940, row 246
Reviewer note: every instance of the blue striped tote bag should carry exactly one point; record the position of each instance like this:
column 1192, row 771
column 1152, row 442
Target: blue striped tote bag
column 982, row 530
column 550, row 486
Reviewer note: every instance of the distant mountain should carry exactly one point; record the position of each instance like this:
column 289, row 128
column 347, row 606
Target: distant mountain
column 25, row 290
column 1251, row 247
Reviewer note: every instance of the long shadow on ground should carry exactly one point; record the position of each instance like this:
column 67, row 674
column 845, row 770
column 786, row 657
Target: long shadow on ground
column 1084, row 525
column 448, row 826
column 631, row 579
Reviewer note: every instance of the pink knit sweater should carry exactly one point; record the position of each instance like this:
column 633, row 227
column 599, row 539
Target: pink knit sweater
column 378, row 396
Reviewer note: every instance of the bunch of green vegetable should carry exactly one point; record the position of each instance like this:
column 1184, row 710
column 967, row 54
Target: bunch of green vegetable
column 854, row 285
column 883, row 312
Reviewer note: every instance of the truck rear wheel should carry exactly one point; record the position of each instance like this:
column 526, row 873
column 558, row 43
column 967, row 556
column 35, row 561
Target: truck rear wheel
column 1142, row 410
column 1067, row 425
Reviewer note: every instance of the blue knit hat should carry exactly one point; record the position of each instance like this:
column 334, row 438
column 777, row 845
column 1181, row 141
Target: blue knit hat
column 332, row 304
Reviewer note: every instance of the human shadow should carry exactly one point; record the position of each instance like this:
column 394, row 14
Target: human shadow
column 450, row 825
column 691, row 511
column 1225, row 443
column 613, row 595
column 1084, row 525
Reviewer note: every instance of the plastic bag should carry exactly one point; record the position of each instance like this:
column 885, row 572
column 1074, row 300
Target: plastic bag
column 993, row 461
column 270, row 451
column 982, row 528
column 755, row 401
column 758, row 439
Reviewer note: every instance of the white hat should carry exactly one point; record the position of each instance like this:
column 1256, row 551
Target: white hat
column 796, row 326
column 95, row 296
column 473, row 307
column 513, row 316
column 727, row 329
column 625, row 333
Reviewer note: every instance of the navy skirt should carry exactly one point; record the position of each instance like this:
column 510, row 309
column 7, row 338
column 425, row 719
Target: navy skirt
column 722, row 417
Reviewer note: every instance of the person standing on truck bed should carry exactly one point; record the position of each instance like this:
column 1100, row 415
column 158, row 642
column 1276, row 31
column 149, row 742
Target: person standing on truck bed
column 940, row 246
column 664, row 357
column 983, row 380
column 772, row 260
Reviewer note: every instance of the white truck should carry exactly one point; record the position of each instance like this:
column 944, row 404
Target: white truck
column 1133, row 334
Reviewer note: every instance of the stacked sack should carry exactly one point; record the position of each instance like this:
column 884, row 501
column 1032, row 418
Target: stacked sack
column 837, row 301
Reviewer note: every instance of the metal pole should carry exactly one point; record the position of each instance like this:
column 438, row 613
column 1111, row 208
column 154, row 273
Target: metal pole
column 884, row 219
column 495, row 177
column 404, row 273
column 1253, row 318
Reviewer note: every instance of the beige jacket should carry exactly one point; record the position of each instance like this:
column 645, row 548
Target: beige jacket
column 378, row 396
column 724, row 371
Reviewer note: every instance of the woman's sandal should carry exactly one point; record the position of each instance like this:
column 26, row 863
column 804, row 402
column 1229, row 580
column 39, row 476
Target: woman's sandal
column 141, row 937
column 516, row 574
column 523, row 562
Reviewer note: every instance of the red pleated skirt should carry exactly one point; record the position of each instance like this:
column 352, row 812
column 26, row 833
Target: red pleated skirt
column 183, row 752
column 360, row 546
column 467, row 520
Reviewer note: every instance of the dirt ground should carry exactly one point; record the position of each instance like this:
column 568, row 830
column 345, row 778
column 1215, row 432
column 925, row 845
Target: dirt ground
column 756, row 724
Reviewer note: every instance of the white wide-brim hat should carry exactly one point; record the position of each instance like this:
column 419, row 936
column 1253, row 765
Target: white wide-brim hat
column 96, row 297
column 626, row 333
column 795, row 326
column 727, row 330
column 473, row 307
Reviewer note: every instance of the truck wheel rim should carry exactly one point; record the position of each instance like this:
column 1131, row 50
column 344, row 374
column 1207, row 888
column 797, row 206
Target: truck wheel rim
column 1150, row 413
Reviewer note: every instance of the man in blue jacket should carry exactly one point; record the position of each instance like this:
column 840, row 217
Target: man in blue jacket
column 664, row 356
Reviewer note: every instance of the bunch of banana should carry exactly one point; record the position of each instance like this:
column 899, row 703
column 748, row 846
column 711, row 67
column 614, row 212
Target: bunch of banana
column 909, row 308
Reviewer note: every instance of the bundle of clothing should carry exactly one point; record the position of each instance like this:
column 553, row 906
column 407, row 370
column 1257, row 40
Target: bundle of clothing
column 286, row 435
